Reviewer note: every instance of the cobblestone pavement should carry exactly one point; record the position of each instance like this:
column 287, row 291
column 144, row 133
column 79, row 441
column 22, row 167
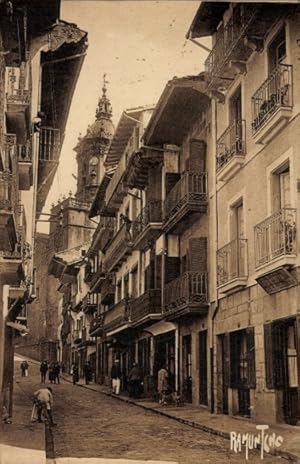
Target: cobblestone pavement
column 91, row 425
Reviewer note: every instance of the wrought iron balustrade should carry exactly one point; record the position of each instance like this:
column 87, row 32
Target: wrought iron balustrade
column 275, row 92
column 146, row 304
column 151, row 213
column 190, row 288
column 49, row 144
column 275, row 236
column 89, row 301
column 232, row 33
column 232, row 261
column 231, row 143
column 190, row 189
column 117, row 315
column 96, row 323
column 119, row 247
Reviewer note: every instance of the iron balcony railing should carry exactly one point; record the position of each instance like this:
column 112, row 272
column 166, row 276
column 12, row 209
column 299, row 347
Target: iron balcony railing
column 231, row 143
column 190, row 189
column 89, row 302
column 108, row 289
column 116, row 179
column 49, row 144
column 189, row 288
column 151, row 213
column 242, row 16
column 105, row 231
column 117, row 315
column 119, row 247
column 275, row 236
column 19, row 97
column 232, row 261
column 146, row 304
column 275, row 92
column 96, row 323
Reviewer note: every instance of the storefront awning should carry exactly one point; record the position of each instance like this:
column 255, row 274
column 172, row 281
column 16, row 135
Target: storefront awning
column 161, row 328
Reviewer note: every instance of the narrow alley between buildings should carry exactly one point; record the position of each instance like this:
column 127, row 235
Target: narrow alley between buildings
column 97, row 428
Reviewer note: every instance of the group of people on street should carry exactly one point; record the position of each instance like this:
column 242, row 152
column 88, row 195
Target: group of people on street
column 87, row 372
column 24, row 368
column 53, row 370
column 135, row 381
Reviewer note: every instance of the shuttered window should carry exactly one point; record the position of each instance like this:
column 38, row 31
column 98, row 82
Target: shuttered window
column 171, row 180
column 197, row 157
column 242, row 358
column 172, row 268
column 197, row 254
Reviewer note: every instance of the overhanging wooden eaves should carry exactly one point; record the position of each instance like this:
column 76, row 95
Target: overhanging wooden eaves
column 179, row 106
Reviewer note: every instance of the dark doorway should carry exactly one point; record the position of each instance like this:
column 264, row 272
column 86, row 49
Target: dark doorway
column 164, row 346
column 203, row 367
column 187, row 368
column 225, row 365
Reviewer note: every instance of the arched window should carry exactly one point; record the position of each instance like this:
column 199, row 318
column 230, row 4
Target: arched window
column 93, row 170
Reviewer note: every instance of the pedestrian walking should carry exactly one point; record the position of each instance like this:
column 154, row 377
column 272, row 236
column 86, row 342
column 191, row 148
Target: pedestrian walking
column 134, row 379
column 56, row 372
column 51, row 373
column 26, row 368
column 75, row 374
column 115, row 375
column 162, row 384
column 43, row 399
column 88, row 373
column 22, row 367
column 43, row 371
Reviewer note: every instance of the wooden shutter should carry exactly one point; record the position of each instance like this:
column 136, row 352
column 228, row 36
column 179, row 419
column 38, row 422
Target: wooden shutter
column 251, row 357
column 172, row 268
column 171, row 180
column 234, row 359
column 269, row 356
column 197, row 159
column 158, row 268
column 197, row 254
column 226, row 359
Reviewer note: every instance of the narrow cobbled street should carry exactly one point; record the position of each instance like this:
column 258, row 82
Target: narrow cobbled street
column 94, row 425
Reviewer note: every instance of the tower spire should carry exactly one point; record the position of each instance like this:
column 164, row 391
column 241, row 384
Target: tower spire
column 104, row 109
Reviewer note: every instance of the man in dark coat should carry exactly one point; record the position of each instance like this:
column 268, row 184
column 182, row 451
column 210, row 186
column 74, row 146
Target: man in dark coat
column 43, row 371
column 134, row 379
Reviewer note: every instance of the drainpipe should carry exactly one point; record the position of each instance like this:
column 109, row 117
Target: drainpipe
column 215, row 305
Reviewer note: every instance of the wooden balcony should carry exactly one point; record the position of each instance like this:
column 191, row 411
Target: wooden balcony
column 275, row 240
column 186, row 202
column 96, row 279
column 272, row 104
column 89, row 303
column 186, row 296
column 231, row 150
column 232, row 266
column 137, row 170
column 242, row 35
column 24, row 157
column 117, row 318
column 108, row 290
column 118, row 249
column 146, row 307
column 148, row 225
column 96, row 326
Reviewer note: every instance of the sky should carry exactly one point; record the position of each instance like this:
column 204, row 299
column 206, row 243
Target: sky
column 140, row 45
